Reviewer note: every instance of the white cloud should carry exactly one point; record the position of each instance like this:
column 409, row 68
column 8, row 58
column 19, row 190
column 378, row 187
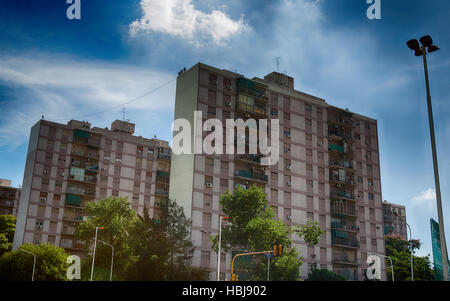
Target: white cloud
column 63, row 88
column 427, row 195
column 181, row 19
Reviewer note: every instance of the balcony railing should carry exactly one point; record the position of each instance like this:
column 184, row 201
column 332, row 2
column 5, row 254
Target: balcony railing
column 162, row 192
column 347, row 242
column 343, row 211
column 337, row 225
column 346, row 180
column 252, row 175
column 345, row 259
column 342, row 164
column 342, row 194
column 250, row 158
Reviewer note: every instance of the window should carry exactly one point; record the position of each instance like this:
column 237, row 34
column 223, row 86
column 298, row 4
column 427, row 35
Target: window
column 227, row 83
column 370, row 182
column 308, row 107
column 274, row 112
column 371, row 197
column 213, row 79
column 287, row 116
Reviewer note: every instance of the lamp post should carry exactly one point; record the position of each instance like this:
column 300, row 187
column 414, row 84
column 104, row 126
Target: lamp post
column 34, row 262
column 95, row 246
column 112, row 258
column 428, row 47
column 410, row 244
column 220, row 242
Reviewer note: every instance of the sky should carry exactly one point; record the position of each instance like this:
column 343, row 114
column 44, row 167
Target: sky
column 121, row 58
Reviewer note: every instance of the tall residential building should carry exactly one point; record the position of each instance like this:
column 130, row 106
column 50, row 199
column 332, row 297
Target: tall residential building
column 394, row 217
column 68, row 165
column 9, row 198
column 328, row 170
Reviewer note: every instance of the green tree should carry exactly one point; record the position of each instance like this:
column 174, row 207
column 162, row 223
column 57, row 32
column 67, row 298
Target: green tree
column 324, row 275
column 118, row 220
column 163, row 247
column 400, row 252
column 7, row 228
column 149, row 244
column 253, row 227
column 51, row 264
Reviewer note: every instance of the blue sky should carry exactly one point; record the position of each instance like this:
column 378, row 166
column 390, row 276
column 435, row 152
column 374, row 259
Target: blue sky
column 119, row 50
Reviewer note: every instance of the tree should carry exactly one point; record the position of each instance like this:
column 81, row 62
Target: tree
column 7, row 228
column 51, row 264
column 400, row 252
column 324, row 275
column 163, row 247
column 253, row 227
column 117, row 219
column 149, row 244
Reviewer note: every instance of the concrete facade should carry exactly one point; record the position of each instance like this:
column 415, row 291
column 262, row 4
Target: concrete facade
column 328, row 169
column 68, row 165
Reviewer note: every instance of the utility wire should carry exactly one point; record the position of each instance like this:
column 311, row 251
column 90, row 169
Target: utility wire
column 122, row 104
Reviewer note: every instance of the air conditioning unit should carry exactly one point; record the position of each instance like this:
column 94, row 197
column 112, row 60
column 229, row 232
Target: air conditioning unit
column 288, row 167
column 320, row 143
column 228, row 87
column 288, row 135
column 43, row 199
column 209, row 184
column 289, row 183
column 228, row 103
column 289, row 217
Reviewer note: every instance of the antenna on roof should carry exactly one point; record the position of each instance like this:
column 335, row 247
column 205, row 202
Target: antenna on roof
column 277, row 61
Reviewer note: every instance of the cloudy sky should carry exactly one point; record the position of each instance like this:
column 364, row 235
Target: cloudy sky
column 126, row 54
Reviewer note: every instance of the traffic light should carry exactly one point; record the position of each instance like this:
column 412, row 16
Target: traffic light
column 234, row 277
column 277, row 250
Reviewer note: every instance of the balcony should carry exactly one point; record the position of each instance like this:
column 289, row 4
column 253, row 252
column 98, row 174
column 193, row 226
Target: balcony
column 344, row 242
column 247, row 174
column 341, row 164
column 342, row 211
column 162, row 177
column 342, row 180
column 342, row 258
column 337, row 148
column 342, row 195
column 162, row 192
column 342, row 226
column 249, row 158
column 164, row 156
column 252, row 89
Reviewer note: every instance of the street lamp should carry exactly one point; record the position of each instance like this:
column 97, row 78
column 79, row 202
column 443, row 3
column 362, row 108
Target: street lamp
column 429, row 47
column 34, row 262
column 95, row 246
column 220, row 242
column 410, row 244
column 112, row 258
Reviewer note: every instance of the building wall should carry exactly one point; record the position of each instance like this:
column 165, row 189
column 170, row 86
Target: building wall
column 298, row 193
column 64, row 170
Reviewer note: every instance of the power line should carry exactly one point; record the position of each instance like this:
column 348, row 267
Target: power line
column 122, row 104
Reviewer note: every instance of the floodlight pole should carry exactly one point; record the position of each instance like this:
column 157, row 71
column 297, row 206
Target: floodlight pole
column 436, row 172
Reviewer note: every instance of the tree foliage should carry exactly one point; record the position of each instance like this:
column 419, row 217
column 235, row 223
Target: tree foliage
column 400, row 252
column 324, row 275
column 253, row 227
column 7, row 228
column 118, row 220
column 51, row 264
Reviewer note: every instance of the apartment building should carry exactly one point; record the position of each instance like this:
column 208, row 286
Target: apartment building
column 394, row 217
column 9, row 198
column 328, row 170
column 68, row 165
